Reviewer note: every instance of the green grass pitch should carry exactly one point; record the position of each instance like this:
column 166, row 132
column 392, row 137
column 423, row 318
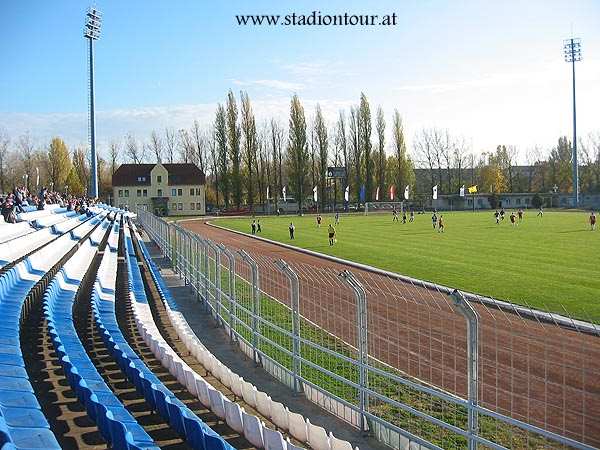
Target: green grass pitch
column 547, row 263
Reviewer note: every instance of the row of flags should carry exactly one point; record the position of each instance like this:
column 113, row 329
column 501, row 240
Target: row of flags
column 392, row 192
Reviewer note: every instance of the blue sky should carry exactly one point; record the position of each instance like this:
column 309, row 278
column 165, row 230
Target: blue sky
column 490, row 71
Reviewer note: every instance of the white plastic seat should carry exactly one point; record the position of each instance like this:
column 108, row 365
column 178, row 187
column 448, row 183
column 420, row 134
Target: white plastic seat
column 273, row 440
column 253, row 430
column 216, row 403
column 280, row 415
column 291, row 446
column 237, row 383
column 202, row 389
column 249, row 393
column 298, row 427
column 233, row 416
column 339, row 444
column 263, row 403
column 317, row 437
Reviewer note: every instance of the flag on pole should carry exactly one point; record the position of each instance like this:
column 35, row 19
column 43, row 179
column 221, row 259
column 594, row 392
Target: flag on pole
column 347, row 194
column 462, row 191
column 406, row 192
column 284, row 194
column 472, row 189
column 267, row 192
column 362, row 193
column 392, row 192
column 377, row 194
column 315, row 194
column 37, row 177
column 435, row 192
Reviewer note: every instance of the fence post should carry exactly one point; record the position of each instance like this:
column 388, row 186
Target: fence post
column 231, row 281
column 217, row 250
column 295, row 307
column 197, row 265
column 469, row 313
column 255, row 303
column 363, row 343
column 206, row 271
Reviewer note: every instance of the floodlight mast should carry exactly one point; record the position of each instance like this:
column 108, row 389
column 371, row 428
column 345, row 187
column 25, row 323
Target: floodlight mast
column 91, row 32
column 572, row 49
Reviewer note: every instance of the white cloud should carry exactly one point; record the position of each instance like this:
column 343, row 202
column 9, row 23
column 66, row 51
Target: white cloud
column 271, row 84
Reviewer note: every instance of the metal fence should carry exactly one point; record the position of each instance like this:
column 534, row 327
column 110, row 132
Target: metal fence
column 410, row 364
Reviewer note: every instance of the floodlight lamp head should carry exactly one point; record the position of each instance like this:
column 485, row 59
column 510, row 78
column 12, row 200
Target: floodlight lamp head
column 93, row 24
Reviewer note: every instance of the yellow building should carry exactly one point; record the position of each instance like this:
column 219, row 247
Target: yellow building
column 164, row 189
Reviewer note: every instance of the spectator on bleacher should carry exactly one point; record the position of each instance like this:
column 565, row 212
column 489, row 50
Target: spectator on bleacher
column 18, row 199
column 42, row 198
column 8, row 210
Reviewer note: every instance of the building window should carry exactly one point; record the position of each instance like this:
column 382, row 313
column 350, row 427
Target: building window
column 518, row 201
column 120, row 192
column 141, row 179
column 145, row 192
column 159, row 193
column 139, row 192
column 180, row 206
column 159, row 178
column 173, row 206
column 180, row 192
column 192, row 206
column 173, row 192
column 527, row 201
column 191, row 191
column 199, row 206
column 197, row 191
column 126, row 192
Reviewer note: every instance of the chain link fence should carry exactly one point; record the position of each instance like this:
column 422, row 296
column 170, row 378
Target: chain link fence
column 409, row 362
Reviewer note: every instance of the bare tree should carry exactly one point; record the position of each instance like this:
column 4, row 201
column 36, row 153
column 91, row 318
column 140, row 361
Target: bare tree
column 200, row 146
column 133, row 150
column 322, row 144
column 186, row 149
column 460, row 157
column 170, row 144
column 4, row 142
column 26, row 153
column 424, row 148
column 156, row 146
column 113, row 150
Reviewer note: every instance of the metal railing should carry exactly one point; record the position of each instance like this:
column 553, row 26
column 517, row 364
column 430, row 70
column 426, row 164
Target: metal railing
column 315, row 329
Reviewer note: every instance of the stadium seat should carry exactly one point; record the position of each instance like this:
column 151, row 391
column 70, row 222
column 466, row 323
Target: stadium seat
column 155, row 392
column 317, row 437
column 115, row 423
column 233, row 416
column 297, row 426
column 275, row 411
column 273, row 440
column 253, row 430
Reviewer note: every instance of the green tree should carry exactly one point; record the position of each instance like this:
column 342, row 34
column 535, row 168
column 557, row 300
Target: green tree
column 223, row 159
column 59, row 163
column 323, row 147
column 365, row 127
column 298, row 151
column 250, row 144
column 233, row 141
column 405, row 171
column 560, row 165
column 381, row 160
column 81, row 167
column 74, row 183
